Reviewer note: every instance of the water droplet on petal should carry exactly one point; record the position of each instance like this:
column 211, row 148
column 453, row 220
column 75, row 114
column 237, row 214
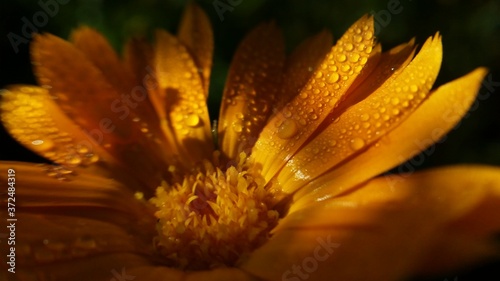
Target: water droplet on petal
column 288, row 129
column 193, row 120
column 237, row 127
column 357, row 143
column 354, row 57
column 365, row 117
column 43, row 145
column 414, row 88
column 332, row 78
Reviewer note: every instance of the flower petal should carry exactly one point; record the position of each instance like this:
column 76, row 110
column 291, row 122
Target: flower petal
column 381, row 225
column 425, row 126
column 128, row 81
column 81, row 218
column 302, row 63
column 287, row 131
column 195, row 31
column 39, row 187
column 364, row 123
column 36, row 121
column 180, row 99
column 251, row 89
column 85, row 96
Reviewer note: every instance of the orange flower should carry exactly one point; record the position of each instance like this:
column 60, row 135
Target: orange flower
column 289, row 190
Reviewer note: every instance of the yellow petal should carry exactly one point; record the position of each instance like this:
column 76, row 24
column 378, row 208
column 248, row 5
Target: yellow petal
column 180, row 98
column 287, row 131
column 85, row 96
column 364, row 123
column 195, row 31
column 40, row 187
column 427, row 125
column 383, row 244
column 302, row 63
column 128, row 81
column 31, row 116
column 250, row 89
column 386, row 229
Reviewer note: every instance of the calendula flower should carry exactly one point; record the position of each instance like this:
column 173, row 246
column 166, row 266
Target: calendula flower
column 288, row 188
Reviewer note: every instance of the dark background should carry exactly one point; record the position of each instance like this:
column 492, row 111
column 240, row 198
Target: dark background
column 470, row 30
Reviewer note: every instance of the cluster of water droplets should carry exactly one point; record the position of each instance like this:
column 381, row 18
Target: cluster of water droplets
column 26, row 116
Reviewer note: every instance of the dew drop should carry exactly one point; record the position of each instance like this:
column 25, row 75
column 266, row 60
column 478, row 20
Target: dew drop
column 414, row 88
column 288, row 129
column 43, row 145
column 357, row 143
column 332, row 78
column 368, row 35
column 237, row 127
column 395, row 101
column 73, row 160
column 91, row 158
column 345, row 68
column 354, row 57
column 349, row 47
column 193, row 120
column 341, row 58
column 287, row 113
column 365, row 117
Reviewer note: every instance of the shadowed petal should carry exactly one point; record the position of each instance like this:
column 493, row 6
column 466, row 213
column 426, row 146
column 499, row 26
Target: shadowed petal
column 84, row 95
column 180, row 100
column 195, row 31
column 301, row 64
column 251, row 89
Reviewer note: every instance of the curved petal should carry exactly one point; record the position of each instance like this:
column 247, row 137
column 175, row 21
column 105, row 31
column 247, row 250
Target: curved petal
column 425, row 126
column 43, row 186
column 251, row 89
column 301, row 64
column 287, row 131
column 195, row 31
column 85, row 96
column 365, row 122
column 385, row 229
column 81, row 218
column 128, row 81
column 34, row 119
column 180, row 99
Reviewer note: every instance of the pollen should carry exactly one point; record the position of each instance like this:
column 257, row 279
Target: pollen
column 214, row 216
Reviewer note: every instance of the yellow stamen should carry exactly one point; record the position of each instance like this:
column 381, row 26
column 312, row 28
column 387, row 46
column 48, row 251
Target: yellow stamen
column 214, row 216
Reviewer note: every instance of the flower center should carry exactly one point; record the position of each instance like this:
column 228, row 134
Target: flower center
column 213, row 217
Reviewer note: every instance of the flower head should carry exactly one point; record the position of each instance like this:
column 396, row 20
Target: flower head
column 289, row 186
